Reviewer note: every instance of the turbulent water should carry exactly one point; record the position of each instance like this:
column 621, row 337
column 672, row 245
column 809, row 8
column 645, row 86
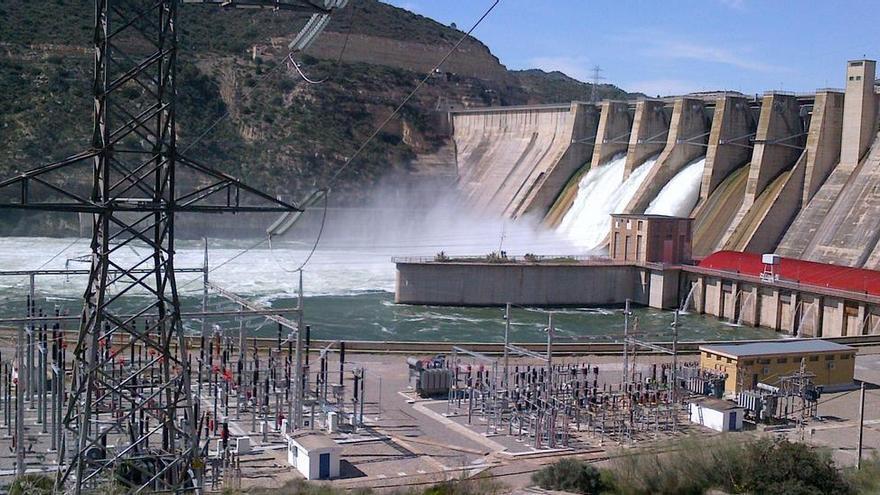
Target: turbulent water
column 679, row 196
column 601, row 192
column 348, row 294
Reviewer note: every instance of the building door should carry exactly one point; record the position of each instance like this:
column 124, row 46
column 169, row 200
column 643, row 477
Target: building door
column 668, row 251
column 731, row 424
column 324, row 466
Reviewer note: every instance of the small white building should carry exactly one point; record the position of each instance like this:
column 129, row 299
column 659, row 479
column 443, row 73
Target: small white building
column 314, row 454
column 720, row 415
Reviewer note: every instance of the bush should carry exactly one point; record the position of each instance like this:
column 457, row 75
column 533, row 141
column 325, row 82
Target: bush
column 694, row 466
column 780, row 466
column 867, row 479
column 571, row 475
column 32, row 484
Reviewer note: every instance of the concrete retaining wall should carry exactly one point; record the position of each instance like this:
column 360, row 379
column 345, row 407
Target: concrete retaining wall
column 486, row 284
column 650, row 129
column 688, row 131
column 613, row 133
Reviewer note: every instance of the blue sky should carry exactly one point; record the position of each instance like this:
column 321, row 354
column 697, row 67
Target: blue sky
column 675, row 46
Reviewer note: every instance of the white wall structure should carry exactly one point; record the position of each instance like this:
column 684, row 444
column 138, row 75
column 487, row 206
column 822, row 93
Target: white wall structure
column 314, row 455
column 717, row 414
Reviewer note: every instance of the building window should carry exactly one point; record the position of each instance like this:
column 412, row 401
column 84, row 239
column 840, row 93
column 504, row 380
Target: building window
column 844, row 356
column 629, row 224
column 640, row 225
column 858, row 78
column 749, row 362
column 814, row 358
column 831, row 365
column 764, row 361
column 766, row 370
column 781, row 360
column 829, row 357
column 728, row 360
column 851, row 78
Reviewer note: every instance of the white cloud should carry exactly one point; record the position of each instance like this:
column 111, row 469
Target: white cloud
column 663, row 87
column 577, row 67
column 703, row 52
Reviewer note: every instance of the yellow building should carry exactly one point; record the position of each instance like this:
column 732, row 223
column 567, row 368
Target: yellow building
column 747, row 365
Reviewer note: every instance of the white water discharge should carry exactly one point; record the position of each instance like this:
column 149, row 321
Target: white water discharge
column 601, row 192
column 679, row 196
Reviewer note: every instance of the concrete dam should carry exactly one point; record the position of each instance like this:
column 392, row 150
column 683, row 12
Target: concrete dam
column 796, row 174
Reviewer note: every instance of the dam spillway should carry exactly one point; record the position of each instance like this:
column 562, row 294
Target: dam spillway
column 781, row 171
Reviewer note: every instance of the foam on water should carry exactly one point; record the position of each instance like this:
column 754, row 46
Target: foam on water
column 601, row 192
column 679, row 196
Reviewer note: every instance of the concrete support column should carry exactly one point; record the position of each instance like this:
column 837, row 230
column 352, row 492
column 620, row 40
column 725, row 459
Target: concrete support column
column 795, row 314
column 818, row 314
column 700, row 292
column 736, row 302
column 823, row 140
column 840, row 319
column 649, row 132
column 863, row 323
column 720, row 305
column 780, row 129
column 688, row 132
column 753, row 317
column 777, row 311
column 859, row 111
column 613, row 132
column 733, row 124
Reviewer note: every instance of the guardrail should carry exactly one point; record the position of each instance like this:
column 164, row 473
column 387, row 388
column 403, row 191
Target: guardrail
column 544, row 258
column 785, row 284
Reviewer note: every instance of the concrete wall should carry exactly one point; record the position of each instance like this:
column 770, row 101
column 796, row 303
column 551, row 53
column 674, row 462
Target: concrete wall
column 849, row 229
column 732, row 125
column 688, row 131
column 823, row 140
column 613, row 133
column 859, row 111
column 778, row 145
column 776, row 141
column 551, row 181
column 486, row 284
column 650, row 128
column 504, row 155
column 768, row 218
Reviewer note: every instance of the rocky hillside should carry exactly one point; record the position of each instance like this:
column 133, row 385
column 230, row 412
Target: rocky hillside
column 282, row 133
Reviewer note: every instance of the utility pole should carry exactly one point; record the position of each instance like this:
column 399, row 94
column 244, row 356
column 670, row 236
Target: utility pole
column 297, row 402
column 506, row 343
column 625, row 343
column 594, row 91
column 861, row 426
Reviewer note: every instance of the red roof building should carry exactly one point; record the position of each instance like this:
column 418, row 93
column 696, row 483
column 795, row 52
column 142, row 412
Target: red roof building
column 798, row 271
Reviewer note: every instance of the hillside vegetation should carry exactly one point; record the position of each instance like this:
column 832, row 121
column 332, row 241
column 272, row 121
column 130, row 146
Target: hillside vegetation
column 281, row 134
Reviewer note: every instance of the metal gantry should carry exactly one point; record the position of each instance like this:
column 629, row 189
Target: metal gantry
column 135, row 424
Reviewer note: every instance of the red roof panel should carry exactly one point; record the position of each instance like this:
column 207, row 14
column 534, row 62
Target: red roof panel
column 798, row 271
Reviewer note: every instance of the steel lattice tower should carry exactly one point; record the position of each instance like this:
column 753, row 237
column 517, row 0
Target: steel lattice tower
column 134, row 419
